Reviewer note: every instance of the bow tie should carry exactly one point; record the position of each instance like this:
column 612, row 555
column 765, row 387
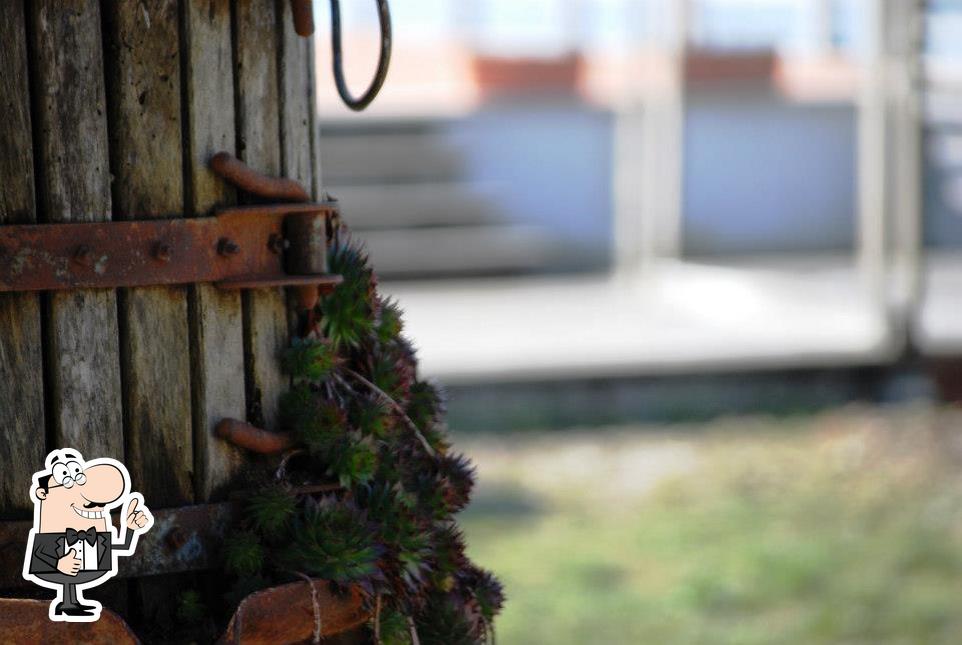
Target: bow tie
column 90, row 535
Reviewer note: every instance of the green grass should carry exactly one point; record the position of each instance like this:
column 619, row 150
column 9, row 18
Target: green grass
column 839, row 528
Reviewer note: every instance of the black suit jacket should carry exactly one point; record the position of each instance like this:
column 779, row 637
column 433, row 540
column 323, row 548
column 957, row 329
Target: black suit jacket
column 48, row 548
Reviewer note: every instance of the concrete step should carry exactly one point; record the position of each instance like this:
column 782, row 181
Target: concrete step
column 394, row 206
column 464, row 250
column 385, row 157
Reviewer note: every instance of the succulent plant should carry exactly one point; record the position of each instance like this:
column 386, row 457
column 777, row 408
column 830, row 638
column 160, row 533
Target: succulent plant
column 309, row 359
column 352, row 460
column 447, row 554
column 322, row 431
column 347, row 312
column 270, row 510
column 390, row 321
column 444, row 622
column 297, row 405
column 372, row 418
column 426, row 408
column 455, row 476
column 394, row 628
column 334, row 541
column 244, row 555
column 363, row 421
column 382, row 501
column 392, row 369
column 486, row 590
column 190, row 607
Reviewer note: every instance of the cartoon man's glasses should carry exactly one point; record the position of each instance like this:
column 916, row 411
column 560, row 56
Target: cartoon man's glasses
column 68, row 474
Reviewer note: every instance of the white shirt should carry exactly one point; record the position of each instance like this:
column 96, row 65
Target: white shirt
column 87, row 553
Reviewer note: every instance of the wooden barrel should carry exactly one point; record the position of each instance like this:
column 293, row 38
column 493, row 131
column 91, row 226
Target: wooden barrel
column 112, row 111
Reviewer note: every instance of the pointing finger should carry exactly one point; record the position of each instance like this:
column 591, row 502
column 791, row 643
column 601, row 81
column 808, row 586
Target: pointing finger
column 133, row 506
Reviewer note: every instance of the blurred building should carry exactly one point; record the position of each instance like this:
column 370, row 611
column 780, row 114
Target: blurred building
column 625, row 186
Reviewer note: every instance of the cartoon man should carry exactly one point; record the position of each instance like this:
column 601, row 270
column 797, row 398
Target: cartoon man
column 73, row 544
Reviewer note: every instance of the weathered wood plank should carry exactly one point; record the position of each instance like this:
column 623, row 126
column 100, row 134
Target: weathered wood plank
column 21, row 399
column 255, row 58
column 22, row 431
column 144, row 109
column 297, row 114
column 258, row 127
column 16, row 162
column 216, row 320
column 317, row 178
column 296, row 100
column 73, row 183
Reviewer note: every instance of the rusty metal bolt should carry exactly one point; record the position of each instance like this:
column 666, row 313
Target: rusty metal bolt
column 277, row 244
column 176, row 538
column 83, row 256
column 163, row 252
column 227, row 247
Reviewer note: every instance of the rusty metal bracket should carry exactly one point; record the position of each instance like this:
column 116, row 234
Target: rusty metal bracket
column 187, row 538
column 238, row 248
column 298, row 612
column 182, row 539
column 247, row 247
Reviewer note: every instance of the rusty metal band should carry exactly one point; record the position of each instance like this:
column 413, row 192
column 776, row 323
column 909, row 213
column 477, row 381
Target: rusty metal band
column 182, row 539
column 241, row 247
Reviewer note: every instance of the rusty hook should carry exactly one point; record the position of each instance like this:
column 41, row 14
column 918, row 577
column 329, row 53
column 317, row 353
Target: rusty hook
column 252, row 438
column 384, row 17
column 303, row 14
column 249, row 180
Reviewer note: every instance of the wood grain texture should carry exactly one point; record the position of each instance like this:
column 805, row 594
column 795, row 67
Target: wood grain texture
column 258, row 128
column 298, row 119
column 16, row 162
column 73, row 184
column 317, row 178
column 216, row 320
column 296, row 100
column 143, row 73
column 22, row 430
column 22, row 437
column 255, row 57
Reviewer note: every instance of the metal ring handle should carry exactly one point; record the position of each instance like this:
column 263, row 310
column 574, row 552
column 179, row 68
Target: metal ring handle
column 384, row 17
